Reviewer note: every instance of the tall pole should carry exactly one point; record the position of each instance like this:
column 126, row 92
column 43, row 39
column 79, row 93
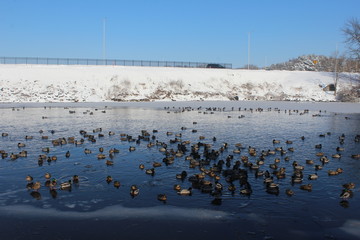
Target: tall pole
column 265, row 62
column 104, row 40
column 336, row 74
column 249, row 51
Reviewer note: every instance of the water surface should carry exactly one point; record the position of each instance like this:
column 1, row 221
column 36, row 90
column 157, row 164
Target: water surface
column 93, row 202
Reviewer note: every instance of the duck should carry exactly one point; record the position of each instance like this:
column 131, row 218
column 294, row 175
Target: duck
column 65, row 185
column 114, row 150
column 47, row 175
column 339, row 170
column 87, row 151
column 245, row 191
column 162, row 197
column 273, row 166
column 101, row 156
column 29, row 178
column 339, row 149
column 313, row 176
column 237, row 151
column 116, row 184
column 52, row 184
column 75, row 179
column 218, row 186
column 268, row 180
column 109, row 163
column 109, row 179
column 157, row 164
column 349, row 185
column 308, row 161
column 67, row 154
column 332, row 172
column 150, row 171
column 177, row 187
column 141, row 166
column 132, row 148
column 295, row 179
column 134, row 192
column 318, row 146
column 319, row 154
column 318, row 167
column 336, row 155
column 299, row 167
column 324, row 159
column 346, row 193
column 272, row 188
column 21, row 145
column 181, row 175
column 36, row 186
column 276, row 141
column 186, row 192
column 232, row 188
column 307, row 187
column 271, row 152
column 45, row 149
column 289, row 192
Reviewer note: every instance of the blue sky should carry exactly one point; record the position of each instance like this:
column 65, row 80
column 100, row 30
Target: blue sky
column 175, row 30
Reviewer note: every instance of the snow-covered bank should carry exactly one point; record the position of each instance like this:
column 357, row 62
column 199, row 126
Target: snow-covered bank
column 58, row 83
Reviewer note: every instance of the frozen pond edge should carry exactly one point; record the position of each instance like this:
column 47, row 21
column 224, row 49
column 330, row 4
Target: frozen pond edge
column 336, row 107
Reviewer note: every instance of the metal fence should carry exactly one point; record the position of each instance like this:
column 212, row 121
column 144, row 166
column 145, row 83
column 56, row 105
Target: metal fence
column 109, row 62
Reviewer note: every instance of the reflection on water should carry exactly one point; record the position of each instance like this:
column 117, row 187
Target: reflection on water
column 93, row 197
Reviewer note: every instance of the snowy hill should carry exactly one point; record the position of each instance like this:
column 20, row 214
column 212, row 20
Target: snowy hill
column 59, row 83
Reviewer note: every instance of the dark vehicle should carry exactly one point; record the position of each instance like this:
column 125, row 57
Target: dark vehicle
column 214, row 65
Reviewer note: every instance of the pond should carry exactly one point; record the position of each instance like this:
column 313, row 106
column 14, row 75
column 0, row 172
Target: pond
column 218, row 145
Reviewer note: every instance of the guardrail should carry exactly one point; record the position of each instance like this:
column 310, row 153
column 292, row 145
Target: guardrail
column 109, row 62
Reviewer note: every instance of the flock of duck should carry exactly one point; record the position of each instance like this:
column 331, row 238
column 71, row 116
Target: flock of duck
column 226, row 168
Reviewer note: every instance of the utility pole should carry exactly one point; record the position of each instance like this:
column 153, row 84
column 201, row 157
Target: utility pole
column 248, row 50
column 104, row 40
column 265, row 67
column 336, row 73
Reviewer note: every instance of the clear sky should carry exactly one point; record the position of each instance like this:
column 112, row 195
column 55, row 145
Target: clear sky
column 175, row 30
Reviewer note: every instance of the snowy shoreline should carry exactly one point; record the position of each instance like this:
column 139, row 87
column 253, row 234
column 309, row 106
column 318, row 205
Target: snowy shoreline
column 51, row 84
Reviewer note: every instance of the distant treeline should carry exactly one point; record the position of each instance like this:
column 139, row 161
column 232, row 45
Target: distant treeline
column 318, row 63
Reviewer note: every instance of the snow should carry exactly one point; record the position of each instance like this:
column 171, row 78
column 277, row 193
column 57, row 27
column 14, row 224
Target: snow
column 77, row 83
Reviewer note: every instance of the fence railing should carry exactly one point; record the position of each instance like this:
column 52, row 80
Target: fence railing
column 109, row 62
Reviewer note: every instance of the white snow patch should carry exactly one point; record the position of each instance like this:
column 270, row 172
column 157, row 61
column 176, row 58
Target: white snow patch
column 75, row 83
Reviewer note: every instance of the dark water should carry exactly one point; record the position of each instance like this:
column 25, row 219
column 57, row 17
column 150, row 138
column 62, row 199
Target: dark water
column 94, row 206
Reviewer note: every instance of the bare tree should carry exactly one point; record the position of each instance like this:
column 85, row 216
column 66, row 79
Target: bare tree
column 351, row 31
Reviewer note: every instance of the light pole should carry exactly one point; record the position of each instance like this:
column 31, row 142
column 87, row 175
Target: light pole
column 248, row 50
column 104, row 40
